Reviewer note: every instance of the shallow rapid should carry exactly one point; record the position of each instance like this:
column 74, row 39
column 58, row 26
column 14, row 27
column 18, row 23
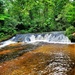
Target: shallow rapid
column 52, row 37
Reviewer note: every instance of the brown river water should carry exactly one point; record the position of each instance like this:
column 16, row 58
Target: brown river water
column 41, row 59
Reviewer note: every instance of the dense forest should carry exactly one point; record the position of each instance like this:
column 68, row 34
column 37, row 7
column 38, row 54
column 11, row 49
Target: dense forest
column 32, row 16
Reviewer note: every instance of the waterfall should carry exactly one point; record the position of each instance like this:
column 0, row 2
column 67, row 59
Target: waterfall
column 52, row 37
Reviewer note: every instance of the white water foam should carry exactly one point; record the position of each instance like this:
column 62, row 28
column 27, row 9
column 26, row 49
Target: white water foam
column 7, row 43
column 54, row 37
column 49, row 38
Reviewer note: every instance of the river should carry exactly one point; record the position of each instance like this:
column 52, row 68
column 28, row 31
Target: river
column 53, row 56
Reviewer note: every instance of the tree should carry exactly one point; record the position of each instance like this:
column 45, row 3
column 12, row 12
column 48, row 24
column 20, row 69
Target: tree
column 1, row 13
column 36, row 15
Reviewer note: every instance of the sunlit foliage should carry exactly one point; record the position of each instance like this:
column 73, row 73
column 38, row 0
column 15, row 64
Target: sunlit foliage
column 25, row 16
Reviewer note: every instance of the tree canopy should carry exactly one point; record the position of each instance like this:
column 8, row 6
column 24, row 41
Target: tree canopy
column 27, row 16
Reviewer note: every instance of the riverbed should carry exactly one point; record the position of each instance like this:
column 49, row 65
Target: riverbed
column 37, row 59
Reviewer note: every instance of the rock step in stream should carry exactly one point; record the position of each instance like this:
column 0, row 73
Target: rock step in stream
column 51, row 37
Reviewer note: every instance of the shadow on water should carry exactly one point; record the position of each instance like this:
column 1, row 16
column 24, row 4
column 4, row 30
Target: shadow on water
column 16, row 53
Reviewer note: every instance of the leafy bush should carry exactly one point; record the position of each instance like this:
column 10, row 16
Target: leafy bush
column 69, row 32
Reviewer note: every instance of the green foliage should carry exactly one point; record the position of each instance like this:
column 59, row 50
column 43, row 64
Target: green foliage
column 69, row 32
column 1, row 7
column 32, row 16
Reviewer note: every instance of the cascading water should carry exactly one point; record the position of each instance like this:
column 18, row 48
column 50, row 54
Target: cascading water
column 5, row 43
column 53, row 37
column 38, row 58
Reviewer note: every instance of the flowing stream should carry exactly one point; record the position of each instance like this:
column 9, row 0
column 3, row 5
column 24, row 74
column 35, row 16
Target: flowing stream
column 39, row 54
column 52, row 37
